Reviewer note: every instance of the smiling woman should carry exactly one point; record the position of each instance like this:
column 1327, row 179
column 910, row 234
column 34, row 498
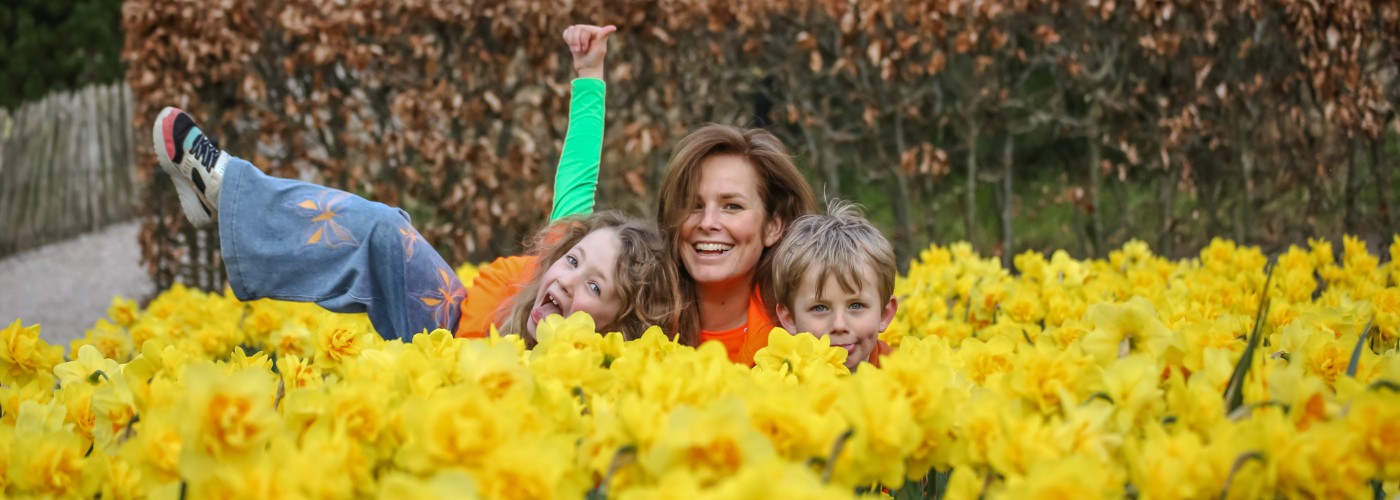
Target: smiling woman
column 727, row 199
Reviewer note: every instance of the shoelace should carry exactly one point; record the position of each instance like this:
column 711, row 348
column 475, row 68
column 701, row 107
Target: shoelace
column 205, row 151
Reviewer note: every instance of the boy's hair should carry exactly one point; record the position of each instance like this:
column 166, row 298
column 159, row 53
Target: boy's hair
column 646, row 281
column 841, row 243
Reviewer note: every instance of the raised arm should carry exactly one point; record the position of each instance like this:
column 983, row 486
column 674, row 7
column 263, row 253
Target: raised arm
column 576, row 180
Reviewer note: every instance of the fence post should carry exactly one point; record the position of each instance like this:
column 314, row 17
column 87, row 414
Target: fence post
column 65, row 165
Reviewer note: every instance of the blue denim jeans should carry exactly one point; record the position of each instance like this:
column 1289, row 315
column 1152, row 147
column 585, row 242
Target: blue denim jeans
column 290, row 240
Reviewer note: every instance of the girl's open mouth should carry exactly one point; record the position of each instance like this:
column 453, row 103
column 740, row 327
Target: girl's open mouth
column 547, row 306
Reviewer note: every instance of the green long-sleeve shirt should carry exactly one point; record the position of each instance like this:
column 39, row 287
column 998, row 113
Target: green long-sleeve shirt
column 576, row 181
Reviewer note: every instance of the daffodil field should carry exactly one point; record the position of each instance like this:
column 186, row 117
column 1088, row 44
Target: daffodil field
column 1127, row 376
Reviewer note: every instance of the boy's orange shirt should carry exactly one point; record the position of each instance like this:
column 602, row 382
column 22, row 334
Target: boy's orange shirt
column 881, row 349
column 495, row 284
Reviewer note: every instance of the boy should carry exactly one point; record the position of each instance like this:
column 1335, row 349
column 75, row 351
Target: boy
column 833, row 276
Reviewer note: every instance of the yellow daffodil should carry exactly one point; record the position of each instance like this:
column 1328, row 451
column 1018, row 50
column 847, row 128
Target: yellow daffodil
column 155, row 447
column 39, row 390
column 467, row 273
column 1045, row 375
column 46, row 458
column 292, row 339
column 335, row 344
column 882, row 426
column 1168, row 464
column 1074, row 378
column 443, row 485
column 712, row 443
column 776, row 479
column 533, row 467
column 1325, row 461
column 111, row 340
column 227, row 417
column 119, row 478
column 77, row 399
column 114, row 409
column 23, row 355
column 1374, row 417
column 1071, row 477
column 457, row 428
column 1123, row 328
column 800, row 357
column 801, row 425
column 980, row 360
column 48, row 465
column 123, row 311
column 1133, row 385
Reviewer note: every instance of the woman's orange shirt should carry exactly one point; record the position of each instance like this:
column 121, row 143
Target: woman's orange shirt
column 742, row 342
column 495, row 284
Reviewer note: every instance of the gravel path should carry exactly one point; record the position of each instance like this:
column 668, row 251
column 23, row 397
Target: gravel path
column 67, row 286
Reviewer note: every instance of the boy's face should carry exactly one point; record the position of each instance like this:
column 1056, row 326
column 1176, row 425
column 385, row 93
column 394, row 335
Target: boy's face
column 852, row 320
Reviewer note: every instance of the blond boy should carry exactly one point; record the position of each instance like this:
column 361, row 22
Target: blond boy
column 833, row 277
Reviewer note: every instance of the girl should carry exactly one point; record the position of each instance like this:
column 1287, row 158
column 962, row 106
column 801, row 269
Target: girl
column 290, row 240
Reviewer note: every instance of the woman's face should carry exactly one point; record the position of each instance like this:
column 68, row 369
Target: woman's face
column 583, row 280
column 728, row 226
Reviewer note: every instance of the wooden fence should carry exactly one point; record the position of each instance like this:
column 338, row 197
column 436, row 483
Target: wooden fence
column 66, row 166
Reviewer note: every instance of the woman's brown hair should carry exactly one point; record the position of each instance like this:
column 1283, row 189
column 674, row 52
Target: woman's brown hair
column 784, row 191
column 647, row 282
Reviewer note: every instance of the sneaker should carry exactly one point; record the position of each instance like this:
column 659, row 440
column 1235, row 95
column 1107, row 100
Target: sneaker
column 193, row 161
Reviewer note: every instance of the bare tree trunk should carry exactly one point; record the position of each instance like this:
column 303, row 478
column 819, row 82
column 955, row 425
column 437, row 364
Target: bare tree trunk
column 1210, row 191
column 1381, row 171
column 1127, row 218
column 904, row 232
column 1008, row 248
column 970, row 210
column 828, row 167
column 832, row 182
column 1095, row 178
column 1245, row 219
column 1167, row 195
column 930, row 195
column 1353, row 188
column 1095, row 158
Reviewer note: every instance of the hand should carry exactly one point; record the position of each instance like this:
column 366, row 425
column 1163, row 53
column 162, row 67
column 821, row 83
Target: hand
column 588, row 44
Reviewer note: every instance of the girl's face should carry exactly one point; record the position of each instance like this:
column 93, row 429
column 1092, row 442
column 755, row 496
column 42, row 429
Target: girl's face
column 583, row 280
column 728, row 226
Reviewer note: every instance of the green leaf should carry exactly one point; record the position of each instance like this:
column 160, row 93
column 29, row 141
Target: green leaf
column 912, row 490
column 1356, row 351
column 1099, row 395
column 835, row 452
column 1240, row 460
column 1245, row 410
column 1234, row 391
column 97, row 376
column 624, row 455
column 1384, row 384
column 939, row 479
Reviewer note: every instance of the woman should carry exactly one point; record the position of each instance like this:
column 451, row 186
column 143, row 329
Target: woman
column 727, row 199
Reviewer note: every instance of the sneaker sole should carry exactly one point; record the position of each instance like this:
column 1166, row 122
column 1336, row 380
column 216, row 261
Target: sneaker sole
column 164, row 146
